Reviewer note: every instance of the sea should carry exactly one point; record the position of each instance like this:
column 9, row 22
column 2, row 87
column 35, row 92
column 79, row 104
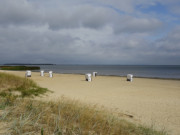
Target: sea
column 144, row 71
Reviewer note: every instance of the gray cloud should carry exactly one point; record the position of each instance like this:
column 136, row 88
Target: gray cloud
column 171, row 43
column 19, row 44
column 137, row 25
column 83, row 32
column 83, row 16
column 18, row 13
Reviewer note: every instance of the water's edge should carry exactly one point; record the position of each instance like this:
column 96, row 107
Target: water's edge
column 171, row 72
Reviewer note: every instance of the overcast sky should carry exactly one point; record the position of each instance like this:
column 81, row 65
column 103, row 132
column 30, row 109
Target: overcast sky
column 90, row 31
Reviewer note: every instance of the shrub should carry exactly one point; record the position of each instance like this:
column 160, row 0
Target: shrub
column 19, row 68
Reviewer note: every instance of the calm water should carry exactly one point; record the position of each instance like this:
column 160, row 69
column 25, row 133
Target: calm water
column 118, row 70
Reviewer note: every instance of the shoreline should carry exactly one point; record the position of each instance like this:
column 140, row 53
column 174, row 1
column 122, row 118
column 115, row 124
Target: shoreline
column 35, row 71
column 125, row 76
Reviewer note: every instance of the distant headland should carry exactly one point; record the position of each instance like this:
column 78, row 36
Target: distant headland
column 22, row 66
column 28, row 64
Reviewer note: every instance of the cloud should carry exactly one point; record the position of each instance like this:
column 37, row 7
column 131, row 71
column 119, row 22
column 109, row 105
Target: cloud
column 13, row 12
column 83, row 16
column 171, row 5
column 171, row 43
column 23, row 44
column 85, row 32
column 130, row 24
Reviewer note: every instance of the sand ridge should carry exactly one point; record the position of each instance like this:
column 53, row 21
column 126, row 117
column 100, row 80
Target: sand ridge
column 149, row 101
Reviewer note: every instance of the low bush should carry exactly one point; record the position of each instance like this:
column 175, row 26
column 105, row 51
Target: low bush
column 19, row 68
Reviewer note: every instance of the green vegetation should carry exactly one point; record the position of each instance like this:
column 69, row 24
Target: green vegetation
column 64, row 117
column 11, row 85
column 19, row 68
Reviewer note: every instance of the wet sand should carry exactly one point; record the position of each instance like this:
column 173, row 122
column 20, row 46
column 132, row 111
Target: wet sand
column 147, row 101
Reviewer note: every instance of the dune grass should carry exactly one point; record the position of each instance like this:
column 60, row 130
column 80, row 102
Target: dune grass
column 64, row 117
column 19, row 87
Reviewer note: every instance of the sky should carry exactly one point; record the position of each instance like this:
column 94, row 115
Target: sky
column 120, row 32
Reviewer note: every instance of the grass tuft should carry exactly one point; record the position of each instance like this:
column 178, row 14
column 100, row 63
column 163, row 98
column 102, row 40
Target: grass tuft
column 13, row 86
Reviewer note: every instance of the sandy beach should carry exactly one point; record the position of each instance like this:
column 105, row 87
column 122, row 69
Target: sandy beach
column 146, row 101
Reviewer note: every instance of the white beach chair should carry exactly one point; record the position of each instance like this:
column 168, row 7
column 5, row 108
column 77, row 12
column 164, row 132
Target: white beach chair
column 28, row 73
column 42, row 73
column 129, row 77
column 88, row 77
column 51, row 74
column 94, row 74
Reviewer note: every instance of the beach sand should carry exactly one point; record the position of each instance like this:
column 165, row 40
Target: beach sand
column 146, row 101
